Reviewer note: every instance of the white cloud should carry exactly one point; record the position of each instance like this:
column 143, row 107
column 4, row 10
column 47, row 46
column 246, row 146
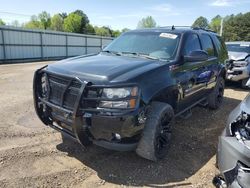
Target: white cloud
column 155, row 11
column 227, row 3
column 165, row 8
column 105, row 17
column 221, row 3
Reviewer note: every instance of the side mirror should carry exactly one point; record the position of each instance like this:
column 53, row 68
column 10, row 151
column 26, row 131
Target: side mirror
column 248, row 83
column 197, row 55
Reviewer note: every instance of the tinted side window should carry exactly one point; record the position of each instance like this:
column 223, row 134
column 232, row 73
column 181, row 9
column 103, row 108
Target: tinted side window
column 192, row 44
column 207, row 44
column 221, row 47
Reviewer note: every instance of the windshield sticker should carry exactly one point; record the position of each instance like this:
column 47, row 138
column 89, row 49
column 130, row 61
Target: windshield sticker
column 168, row 35
column 245, row 45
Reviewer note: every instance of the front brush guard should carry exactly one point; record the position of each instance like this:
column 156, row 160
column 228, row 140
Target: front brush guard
column 79, row 131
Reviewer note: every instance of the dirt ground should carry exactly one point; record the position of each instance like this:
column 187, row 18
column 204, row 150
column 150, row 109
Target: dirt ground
column 33, row 155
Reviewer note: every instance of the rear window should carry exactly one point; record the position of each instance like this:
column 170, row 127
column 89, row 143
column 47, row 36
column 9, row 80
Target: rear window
column 207, row 44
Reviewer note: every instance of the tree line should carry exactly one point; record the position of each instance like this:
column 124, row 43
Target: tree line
column 235, row 27
column 75, row 22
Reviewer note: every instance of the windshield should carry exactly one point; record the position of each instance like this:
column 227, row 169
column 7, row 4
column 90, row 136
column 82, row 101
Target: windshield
column 153, row 44
column 239, row 48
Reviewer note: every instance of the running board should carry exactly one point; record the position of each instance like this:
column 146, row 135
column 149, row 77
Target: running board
column 187, row 114
column 188, row 109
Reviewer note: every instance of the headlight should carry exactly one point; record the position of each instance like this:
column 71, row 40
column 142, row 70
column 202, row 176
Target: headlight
column 241, row 63
column 127, row 95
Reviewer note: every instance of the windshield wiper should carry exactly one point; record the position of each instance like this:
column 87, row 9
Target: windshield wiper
column 141, row 55
column 112, row 52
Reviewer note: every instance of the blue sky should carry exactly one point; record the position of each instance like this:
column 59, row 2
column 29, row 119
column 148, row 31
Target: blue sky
column 119, row 14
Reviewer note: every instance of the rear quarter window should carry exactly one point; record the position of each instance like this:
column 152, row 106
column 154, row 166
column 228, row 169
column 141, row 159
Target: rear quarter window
column 220, row 47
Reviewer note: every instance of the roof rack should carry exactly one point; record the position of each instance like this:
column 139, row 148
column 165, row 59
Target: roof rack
column 191, row 27
column 175, row 26
column 200, row 28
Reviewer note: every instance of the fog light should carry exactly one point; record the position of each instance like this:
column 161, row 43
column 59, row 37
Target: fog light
column 117, row 136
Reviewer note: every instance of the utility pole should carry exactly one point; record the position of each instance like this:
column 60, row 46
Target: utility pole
column 221, row 26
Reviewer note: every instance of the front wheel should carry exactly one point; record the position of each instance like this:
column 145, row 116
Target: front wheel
column 215, row 98
column 244, row 83
column 156, row 137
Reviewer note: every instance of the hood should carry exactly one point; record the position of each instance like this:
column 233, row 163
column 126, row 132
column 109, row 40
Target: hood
column 103, row 68
column 237, row 55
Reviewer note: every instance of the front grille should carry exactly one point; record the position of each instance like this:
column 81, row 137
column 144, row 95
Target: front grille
column 63, row 91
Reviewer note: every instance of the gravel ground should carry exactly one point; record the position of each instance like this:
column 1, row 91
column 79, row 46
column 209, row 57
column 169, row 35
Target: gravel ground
column 33, row 155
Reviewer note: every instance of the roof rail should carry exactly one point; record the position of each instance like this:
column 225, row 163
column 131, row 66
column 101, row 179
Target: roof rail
column 191, row 27
column 200, row 28
column 175, row 26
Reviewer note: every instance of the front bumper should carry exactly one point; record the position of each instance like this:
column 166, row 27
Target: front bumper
column 87, row 125
column 231, row 154
column 238, row 73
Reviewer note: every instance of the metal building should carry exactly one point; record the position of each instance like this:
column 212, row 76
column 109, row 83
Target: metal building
column 18, row 44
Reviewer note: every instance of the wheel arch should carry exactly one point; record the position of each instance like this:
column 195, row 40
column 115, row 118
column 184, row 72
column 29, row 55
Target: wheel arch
column 169, row 95
column 223, row 72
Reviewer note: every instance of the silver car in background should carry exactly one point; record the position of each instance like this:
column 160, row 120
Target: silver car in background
column 238, row 66
column 233, row 155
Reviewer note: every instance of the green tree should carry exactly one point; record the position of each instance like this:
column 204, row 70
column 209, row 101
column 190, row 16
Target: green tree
column 34, row 23
column 215, row 23
column 57, row 22
column 147, row 22
column 237, row 27
column 103, row 31
column 2, row 22
column 125, row 30
column 201, row 22
column 73, row 23
column 84, row 20
column 63, row 15
column 115, row 33
column 45, row 19
column 90, row 29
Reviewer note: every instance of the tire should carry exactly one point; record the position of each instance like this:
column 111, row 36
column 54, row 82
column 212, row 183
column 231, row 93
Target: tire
column 156, row 137
column 243, row 83
column 215, row 98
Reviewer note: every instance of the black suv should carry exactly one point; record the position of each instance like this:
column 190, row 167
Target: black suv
column 127, row 96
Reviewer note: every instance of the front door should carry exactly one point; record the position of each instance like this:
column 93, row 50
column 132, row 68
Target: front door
column 191, row 77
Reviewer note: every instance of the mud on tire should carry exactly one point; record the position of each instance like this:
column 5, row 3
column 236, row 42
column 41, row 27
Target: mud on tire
column 156, row 137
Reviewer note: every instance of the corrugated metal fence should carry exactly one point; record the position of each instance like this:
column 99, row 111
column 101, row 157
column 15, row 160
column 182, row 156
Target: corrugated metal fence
column 17, row 44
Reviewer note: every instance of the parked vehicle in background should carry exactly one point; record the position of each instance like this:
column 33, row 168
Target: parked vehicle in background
column 233, row 155
column 127, row 96
column 239, row 62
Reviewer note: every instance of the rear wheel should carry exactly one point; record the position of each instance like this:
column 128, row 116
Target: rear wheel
column 215, row 99
column 155, row 141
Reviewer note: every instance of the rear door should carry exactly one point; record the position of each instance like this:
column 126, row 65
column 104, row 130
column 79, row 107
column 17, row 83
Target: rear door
column 211, row 65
